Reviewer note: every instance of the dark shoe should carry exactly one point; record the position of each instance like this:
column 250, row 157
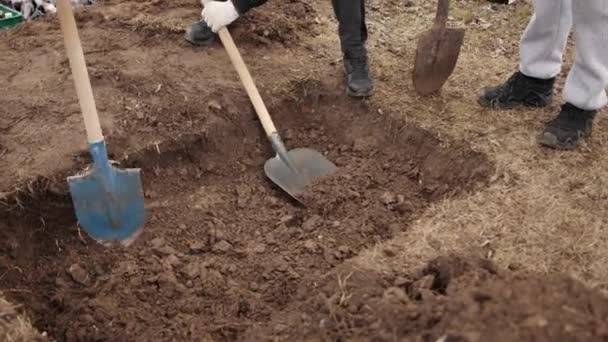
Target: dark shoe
column 357, row 74
column 518, row 90
column 568, row 129
column 200, row 34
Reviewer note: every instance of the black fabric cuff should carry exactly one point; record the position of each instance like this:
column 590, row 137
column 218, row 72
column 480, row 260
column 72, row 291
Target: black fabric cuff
column 243, row 6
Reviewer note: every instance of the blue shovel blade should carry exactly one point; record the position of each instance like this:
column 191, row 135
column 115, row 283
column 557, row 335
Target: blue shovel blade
column 109, row 202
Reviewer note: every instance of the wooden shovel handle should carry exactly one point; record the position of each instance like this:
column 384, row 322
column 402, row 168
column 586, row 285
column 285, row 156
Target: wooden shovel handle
column 250, row 88
column 79, row 71
column 441, row 18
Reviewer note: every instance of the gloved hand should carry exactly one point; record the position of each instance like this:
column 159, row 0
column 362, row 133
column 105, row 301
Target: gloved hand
column 218, row 14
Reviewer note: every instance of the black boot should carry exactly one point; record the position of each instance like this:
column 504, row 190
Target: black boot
column 518, row 90
column 359, row 83
column 199, row 34
column 568, row 129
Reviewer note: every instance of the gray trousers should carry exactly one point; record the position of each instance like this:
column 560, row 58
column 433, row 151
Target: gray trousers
column 544, row 41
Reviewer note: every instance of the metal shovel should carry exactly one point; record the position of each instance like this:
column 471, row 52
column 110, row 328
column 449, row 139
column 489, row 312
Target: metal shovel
column 291, row 170
column 109, row 203
column 437, row 53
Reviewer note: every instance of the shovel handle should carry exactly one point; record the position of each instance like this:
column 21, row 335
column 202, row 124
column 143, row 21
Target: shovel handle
column 79, row 71
column 441, row 18
column 245, row 76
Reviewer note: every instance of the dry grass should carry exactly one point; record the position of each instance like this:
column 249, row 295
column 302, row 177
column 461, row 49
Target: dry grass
column 545, row 210
column 15, row 328
column 155, row 24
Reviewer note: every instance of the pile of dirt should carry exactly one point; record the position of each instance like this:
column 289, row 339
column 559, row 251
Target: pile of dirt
column 451, row 299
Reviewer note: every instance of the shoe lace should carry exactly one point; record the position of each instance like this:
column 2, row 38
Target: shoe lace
column 359, row 65
column 570, row 118
column 510, row 86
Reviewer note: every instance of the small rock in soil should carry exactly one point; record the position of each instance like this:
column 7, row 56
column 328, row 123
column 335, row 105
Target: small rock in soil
column 310, row 246
column 298, row 11
column 191, row 271
column 151, row 194
column 274, row 202
column 395, row 295
column 281, row 265
column 405, row 208
column 197, row 247
column 214, row 105
column 231, row 268
column 152, row 279
column 79, row 274
column 168, row 282
column 536, row 321
column 311, row 223
column 60, row 282
column 259, row 248
column 128, row 267
column 287, row 220
column 182, row 226
column 163, row 251
column 222, row 247
column 360, row 145
column 328, row 254
column 389, row 252
column 402, row 281
column 157, row 242
column 388, row 198
column 279, row 328
column 173, row 260
column 253, row 286
column 86, row 318
column 425, row 282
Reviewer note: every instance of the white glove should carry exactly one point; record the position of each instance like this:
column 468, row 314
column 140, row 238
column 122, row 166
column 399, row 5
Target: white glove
column 218, row 14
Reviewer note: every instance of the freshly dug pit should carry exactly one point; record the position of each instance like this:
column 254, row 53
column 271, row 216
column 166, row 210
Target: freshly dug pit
column 224, row 249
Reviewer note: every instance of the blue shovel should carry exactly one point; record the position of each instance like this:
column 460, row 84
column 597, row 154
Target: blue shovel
column 109, row 202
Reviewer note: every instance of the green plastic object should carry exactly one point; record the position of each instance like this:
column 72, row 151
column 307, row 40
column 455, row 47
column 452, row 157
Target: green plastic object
column 11, row 21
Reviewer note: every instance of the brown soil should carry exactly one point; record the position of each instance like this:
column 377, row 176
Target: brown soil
column 225, row 255
column 223, row 248
column 451, row 299
column 141, row 72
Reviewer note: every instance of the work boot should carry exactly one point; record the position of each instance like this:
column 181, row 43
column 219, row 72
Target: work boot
column 359, row 83
column 200, row 34
column 518, row 90
column 568, row 129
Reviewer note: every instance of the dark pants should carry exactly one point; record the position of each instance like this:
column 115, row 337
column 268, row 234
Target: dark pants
column 352, row 28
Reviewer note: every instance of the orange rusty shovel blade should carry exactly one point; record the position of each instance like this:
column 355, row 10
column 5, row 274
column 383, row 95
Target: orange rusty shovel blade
column 437, row 53
column 436, row 57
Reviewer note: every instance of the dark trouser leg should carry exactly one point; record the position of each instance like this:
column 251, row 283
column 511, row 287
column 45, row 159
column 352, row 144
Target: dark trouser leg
column 353, row 36
column 352, row 28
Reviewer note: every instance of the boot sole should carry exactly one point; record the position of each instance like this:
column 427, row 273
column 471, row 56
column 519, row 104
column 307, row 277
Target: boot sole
column 355, row 94
column 549, row 140
column 188, row 37
column 483, row 102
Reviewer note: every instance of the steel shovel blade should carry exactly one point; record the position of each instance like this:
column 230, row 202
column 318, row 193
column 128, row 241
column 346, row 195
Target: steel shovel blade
column 436, row 56
column 309, row 165
column 109, row 202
